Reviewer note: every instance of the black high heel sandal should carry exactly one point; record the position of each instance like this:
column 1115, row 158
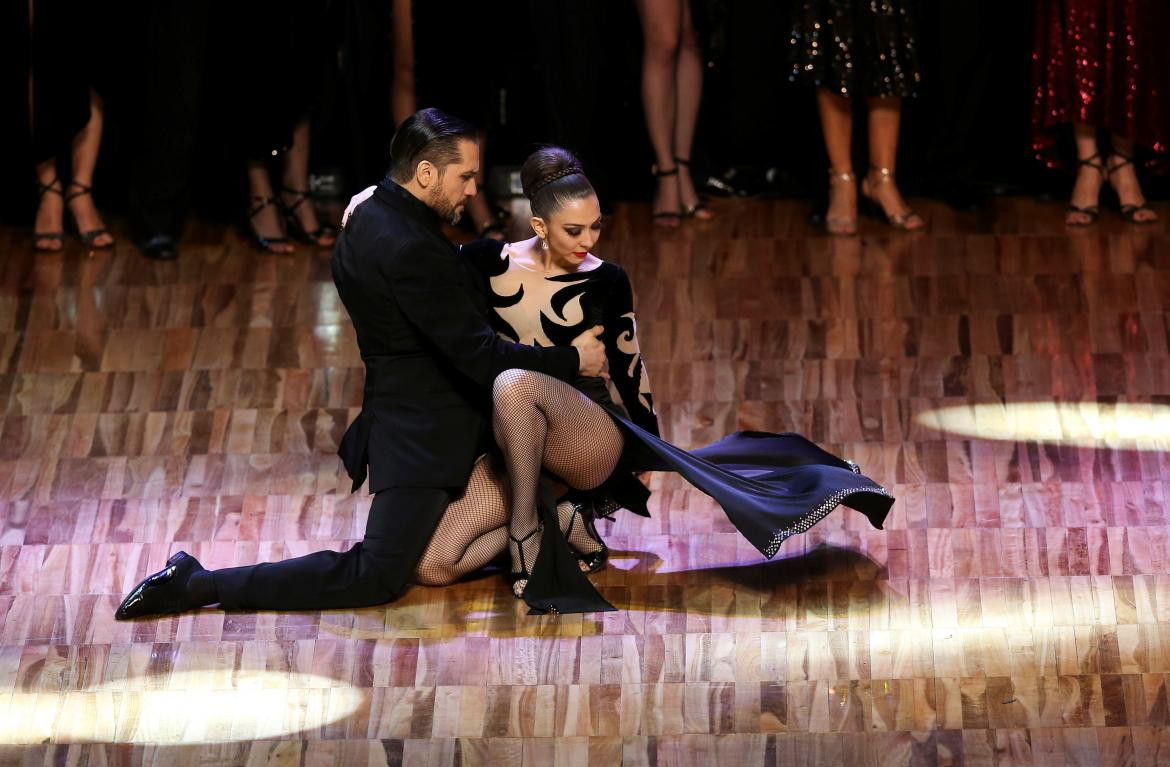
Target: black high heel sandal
column 41, row 240
column 293, row 224
column 1090, row 212
column 89, row 236
column 699, row 211
column 662, row 218
column 525, row 573
column 1128, row 212
column 264, row 243
column 595, row 560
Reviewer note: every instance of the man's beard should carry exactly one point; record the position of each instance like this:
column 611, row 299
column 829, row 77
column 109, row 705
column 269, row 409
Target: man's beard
column 447, row 210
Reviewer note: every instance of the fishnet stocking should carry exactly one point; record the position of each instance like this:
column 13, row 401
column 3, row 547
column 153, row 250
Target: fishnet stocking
column 472, row 531
column 540, row 421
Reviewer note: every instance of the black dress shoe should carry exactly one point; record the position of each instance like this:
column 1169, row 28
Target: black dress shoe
column 159, row 247
column 163, row 593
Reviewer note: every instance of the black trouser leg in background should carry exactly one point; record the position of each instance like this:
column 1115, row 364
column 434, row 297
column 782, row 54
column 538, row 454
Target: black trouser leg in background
column 172, row 71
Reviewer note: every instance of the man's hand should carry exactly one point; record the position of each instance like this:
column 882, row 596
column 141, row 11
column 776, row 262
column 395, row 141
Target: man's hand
column 591, row 351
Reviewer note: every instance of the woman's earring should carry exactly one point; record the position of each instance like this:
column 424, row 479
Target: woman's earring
column 543, row 244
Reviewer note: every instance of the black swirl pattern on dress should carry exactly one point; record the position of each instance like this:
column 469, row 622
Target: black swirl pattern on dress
column 606, row 299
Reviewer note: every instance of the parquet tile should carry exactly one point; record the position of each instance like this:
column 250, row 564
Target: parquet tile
column 1016, row 610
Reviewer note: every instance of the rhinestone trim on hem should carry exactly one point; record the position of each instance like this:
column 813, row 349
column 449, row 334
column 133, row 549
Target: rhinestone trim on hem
column 816, row 515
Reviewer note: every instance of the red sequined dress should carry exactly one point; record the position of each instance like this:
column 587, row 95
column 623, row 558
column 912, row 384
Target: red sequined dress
column 1105, row 63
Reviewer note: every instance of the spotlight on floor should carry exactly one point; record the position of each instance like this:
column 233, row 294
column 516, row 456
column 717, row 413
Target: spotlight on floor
column 1122, row 425
column 212, row 706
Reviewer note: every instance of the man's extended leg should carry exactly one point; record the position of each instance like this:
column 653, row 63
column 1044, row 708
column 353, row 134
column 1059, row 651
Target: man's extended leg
column 374, row 571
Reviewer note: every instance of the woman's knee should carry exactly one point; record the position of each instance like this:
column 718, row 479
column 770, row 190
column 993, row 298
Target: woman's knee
column 661, row 46
column 434, row 576
column 514, row 386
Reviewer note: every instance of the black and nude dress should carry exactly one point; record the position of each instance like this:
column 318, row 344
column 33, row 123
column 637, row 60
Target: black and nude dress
column 771, row 486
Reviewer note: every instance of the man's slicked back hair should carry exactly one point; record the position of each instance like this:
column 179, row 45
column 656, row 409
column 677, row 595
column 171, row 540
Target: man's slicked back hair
column 428, row 134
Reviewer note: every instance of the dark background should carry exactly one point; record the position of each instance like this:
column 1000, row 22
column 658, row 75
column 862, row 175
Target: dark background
column 561, row 71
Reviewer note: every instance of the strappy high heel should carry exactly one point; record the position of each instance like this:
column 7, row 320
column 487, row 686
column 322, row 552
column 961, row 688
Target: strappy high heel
column 294, row 225
column 843, row 226
column 667, row 219
column 525, row 573
column 699, row 211
column 42, row 240
column 593, row 560
column 906, row 221
column 90, row 236
column 1128, row 212
column 1090, row 212
column 264, row 243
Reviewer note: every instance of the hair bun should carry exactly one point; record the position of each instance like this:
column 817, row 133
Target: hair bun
column 554, row 176
column 546, row 165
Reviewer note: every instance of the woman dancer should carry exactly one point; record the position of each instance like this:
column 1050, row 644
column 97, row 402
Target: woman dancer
column 547, row 290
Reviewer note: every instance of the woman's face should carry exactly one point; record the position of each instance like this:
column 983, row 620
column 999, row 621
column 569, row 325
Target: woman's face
column 573, row 230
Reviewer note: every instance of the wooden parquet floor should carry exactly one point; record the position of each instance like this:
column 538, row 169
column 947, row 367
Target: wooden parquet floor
column 1007, row 379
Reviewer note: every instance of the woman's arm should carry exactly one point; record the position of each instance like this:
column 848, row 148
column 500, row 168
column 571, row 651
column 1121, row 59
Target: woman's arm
column 625, row 356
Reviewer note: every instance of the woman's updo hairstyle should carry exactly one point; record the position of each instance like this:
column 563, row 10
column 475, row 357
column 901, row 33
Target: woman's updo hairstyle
column 551, row 178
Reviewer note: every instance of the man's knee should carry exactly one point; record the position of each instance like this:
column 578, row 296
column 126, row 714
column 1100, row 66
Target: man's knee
column 381, row 580
column 401, row 522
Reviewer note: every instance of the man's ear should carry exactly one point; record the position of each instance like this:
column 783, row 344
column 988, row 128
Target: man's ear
column 424, row 173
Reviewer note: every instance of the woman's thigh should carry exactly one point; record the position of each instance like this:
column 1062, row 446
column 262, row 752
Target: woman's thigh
column 583, row 444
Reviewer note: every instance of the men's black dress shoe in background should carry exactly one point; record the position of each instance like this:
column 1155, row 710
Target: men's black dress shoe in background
column 159, row 247
column 164, row 592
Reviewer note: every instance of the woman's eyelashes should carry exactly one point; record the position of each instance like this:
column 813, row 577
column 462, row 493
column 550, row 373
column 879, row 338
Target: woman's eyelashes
column 575, row 231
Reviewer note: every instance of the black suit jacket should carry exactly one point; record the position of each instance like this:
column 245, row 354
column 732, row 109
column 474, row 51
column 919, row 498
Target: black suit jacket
column 421, row 318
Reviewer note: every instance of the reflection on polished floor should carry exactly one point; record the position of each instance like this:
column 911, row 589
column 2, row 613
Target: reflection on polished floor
column 1007, row 379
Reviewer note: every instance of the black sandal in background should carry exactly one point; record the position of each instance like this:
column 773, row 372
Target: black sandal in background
column 264, row 243
column 699, row 211
column 1090, row 212
column 89, row 236
column 41, row 239
column 293, row 224
column 664, row 218
column 1128, row 212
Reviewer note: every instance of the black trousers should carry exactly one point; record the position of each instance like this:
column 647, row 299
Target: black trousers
column 375, row 571
column 171, row 66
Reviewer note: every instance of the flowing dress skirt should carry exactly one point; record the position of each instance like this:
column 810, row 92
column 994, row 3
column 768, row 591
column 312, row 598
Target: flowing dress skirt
column 771, row 486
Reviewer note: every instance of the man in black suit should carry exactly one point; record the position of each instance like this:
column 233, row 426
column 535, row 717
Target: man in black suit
column 431, row 358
